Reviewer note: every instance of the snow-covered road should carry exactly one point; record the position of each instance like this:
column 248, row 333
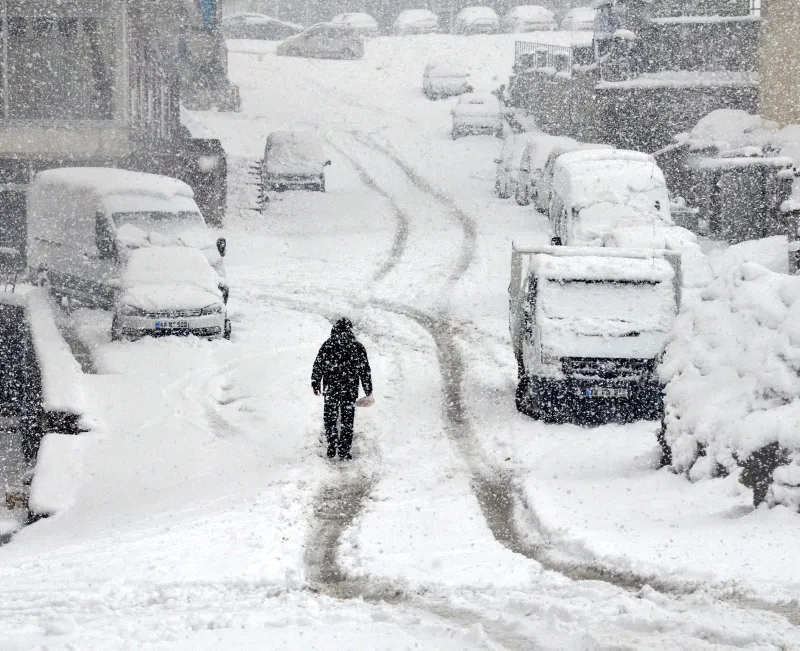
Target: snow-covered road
column 207, row 518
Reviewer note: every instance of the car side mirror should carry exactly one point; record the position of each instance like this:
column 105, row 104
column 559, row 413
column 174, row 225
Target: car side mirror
column 498, row 161
column 327, row 162
column 222, row 246
column 555, row 241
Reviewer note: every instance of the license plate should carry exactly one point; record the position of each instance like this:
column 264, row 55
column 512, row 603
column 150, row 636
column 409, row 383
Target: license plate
column 604, row 392
column 172, row 325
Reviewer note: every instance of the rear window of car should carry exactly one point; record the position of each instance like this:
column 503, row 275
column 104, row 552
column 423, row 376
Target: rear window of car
column 340, row 32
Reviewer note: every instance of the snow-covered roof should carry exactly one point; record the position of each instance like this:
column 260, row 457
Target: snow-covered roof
column 685, row 20
column 539, row 148
column 106, row 181
column 477, row 13
column 572, row 157
column 729, row 129
column 638, row 184
column 447, row 68
column 411, row 16
column 602, row 268
column 259, row 19
column 581, row 13
column 479, row 98
column 533, row 13
column 355, row 19
column 685, row 79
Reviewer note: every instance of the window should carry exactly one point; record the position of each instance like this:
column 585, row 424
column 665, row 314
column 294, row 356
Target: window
column 58, row 68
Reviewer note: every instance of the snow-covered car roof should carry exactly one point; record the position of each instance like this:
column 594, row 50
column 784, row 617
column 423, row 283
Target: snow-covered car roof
column 258, row 19
column 477, row 13
column 354, row 19
column 618, row 182
column 479, row 98
column 107, row 181
column 444, row 68
column 412, row 16
column 581, row 14
column 169, row 265
column 539, row 147
column 611, row 269
column 533, row 13
column 582, row 155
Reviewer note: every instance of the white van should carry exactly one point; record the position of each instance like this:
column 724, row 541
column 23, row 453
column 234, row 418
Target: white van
column 84, row 223
column 596, row 192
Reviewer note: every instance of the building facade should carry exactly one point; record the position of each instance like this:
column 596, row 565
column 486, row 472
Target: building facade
column 780, row 61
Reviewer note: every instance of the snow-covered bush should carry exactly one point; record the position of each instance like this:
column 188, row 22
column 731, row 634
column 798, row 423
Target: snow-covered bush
column 732, row 368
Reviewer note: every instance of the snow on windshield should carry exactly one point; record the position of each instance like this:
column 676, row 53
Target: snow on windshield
column 598, row 308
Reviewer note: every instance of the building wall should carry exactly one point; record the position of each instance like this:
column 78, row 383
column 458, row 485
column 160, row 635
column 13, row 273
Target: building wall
column 780, row 61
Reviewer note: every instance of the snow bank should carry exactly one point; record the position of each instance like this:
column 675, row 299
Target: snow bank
column 733, row 366
column 58, row 473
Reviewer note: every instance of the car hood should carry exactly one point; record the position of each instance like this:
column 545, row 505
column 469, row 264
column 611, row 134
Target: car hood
column 561, row 342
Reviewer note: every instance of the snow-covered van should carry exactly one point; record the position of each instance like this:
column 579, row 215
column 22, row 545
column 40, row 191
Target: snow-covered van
column 588, row 327
column 596, row 192
column 83, row 224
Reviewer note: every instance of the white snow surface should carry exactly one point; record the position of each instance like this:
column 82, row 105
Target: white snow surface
column 196, row 521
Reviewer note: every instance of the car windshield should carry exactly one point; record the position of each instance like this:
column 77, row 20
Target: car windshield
column 602, row 308
column 164, row 223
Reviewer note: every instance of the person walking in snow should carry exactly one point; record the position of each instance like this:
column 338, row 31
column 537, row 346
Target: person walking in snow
column 339, row 367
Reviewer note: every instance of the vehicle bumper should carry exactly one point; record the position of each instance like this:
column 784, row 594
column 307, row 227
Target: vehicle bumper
column 477, row 125
column 599, row 394
column 210, row 326
column 293, row 182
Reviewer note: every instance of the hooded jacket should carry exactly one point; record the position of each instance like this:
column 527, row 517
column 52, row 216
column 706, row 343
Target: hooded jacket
column 341, row 364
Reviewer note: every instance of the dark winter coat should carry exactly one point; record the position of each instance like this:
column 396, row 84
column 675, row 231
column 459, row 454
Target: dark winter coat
column 340, row 365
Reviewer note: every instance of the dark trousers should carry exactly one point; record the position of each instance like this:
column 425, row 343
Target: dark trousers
column 339, row 416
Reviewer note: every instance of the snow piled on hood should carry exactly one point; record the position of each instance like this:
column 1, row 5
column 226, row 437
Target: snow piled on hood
column 733, row 365
column 729, row 129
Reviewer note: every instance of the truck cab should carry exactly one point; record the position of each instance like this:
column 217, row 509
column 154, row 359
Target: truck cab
column 588, row 327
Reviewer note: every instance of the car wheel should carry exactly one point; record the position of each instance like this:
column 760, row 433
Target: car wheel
column 522, row 196
column 226, row 333
column 456, row 134
column 321, row 186
column 499, row 133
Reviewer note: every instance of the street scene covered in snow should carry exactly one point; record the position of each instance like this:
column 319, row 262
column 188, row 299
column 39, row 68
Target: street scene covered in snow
column 396, row 325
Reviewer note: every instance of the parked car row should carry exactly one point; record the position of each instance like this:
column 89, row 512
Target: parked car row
column 132, row 243
column 593, row 194
column 469, row 20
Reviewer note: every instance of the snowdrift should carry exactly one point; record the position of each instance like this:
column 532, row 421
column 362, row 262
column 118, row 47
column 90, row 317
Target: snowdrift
column 732, row 368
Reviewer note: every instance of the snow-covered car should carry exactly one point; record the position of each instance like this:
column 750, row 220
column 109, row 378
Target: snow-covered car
column 598, row 192
column 258, row 26
column 82, row 222
column 578, row 19
column 477, row 113
column 532, row 161
column 293, row 160
column 544, row 184
column 415, row 21
column 476, row 20
column 361, row 22
column 445, row 79
column 324, row 41
column 528, row 18
column 508, row 164
column 169, row 290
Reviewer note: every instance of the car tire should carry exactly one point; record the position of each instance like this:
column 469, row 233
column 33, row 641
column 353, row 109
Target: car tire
column 456, row 134
column 499, row 133
column 521, row 196
column 321, row 186
column 226, row 331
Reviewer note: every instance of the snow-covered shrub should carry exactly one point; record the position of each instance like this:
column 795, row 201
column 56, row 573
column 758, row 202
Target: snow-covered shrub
column 732, row 368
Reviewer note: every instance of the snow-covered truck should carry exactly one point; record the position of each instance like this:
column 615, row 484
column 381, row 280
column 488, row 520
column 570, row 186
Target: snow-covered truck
column 588, row 327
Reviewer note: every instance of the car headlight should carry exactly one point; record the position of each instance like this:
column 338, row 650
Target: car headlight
column 216, row 308
column 130, row 310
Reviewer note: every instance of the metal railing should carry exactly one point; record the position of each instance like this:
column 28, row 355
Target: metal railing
column 543, row 55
